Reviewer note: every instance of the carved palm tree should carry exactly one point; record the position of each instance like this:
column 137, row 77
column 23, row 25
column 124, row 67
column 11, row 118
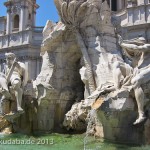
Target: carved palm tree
column 72, row 13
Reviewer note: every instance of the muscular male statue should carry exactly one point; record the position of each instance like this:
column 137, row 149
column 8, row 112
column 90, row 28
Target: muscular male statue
column 16, row 77
column 141, row 72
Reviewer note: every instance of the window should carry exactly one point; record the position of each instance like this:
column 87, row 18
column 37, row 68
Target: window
column 16, row 21
column 114, row 5
column 29, row 16
column 134, row 2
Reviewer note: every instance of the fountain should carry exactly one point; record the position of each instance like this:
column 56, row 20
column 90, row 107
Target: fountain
column 84, row 76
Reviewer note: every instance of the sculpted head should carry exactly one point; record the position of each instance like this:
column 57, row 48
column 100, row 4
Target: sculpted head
column 142, row 40
column 10, row 57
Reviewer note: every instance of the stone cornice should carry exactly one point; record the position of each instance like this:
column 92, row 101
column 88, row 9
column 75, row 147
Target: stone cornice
column 10, row 3
column 30, row 58
column 18, row 47
column 24, row 58
column 137, row 26
column 137, row 6
column 119, row 13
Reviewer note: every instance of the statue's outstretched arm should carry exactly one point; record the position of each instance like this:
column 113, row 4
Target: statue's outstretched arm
column 133, row 47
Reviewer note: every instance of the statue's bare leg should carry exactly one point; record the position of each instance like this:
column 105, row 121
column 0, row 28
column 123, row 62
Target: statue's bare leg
column 142, row 77
column 139, row 96
column 18, row 94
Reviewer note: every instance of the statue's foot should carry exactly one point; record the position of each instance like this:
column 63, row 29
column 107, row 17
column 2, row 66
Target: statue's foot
column 20, row 110
column 12, row 113
column 139, row 120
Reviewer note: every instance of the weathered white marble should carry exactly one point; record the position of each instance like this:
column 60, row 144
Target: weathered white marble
column 86, row 75
column 102, row 61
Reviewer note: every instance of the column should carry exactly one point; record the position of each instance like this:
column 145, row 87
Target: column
column 119, row 4
column 110, row 4
column 8, row 26
column 34, row 18
column 26, row 16
column 21, row 24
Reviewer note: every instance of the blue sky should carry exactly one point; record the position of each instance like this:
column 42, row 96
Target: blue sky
column 47, row 11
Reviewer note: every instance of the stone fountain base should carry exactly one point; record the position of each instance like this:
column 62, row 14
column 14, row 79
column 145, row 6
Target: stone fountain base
column 117, row 116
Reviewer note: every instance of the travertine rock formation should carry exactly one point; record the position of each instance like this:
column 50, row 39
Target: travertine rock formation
column 87, row 76
column 76, row 118
column 101, row 72
column 90, row 24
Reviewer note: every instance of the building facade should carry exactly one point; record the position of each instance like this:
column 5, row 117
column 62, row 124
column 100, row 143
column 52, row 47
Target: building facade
column 18, row 34
column 134, row 17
